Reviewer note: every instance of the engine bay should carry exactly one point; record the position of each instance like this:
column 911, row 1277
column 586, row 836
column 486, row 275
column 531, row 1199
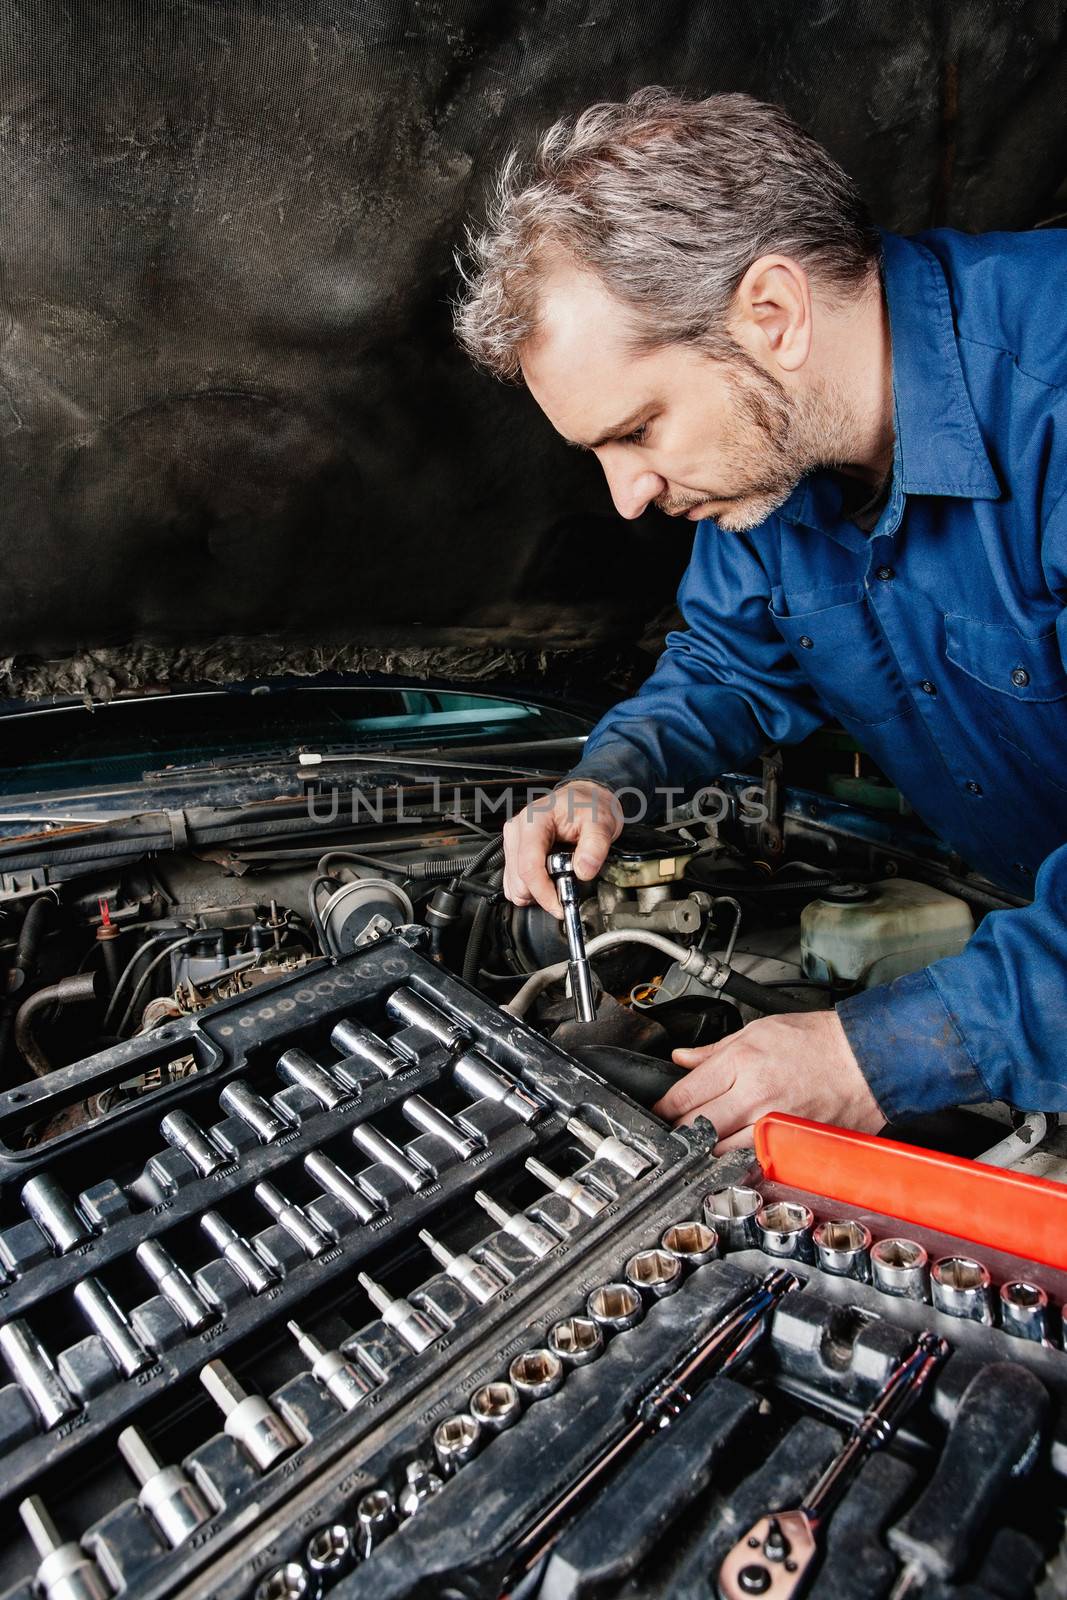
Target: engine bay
column 337, row 1256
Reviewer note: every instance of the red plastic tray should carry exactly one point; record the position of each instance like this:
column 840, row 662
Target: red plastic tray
column 1004, row 1210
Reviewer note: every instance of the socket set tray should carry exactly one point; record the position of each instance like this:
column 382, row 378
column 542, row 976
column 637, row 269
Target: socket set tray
column 348, row 1305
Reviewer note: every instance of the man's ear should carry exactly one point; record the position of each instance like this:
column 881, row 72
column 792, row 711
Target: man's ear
column 772, row 313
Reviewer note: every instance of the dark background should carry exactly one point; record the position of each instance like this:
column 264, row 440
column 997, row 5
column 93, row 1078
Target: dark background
column 234, row 432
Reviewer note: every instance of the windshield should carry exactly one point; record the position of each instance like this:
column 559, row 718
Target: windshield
column 79, row 747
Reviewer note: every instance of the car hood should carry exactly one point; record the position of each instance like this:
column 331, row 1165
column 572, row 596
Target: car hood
column 236, row 437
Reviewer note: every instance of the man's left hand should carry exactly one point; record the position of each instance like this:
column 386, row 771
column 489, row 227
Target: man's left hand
column 801, row 1063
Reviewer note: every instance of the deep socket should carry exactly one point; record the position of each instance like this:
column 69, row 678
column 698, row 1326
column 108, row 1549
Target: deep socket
column 535, row 1374
column 496, row 1406
column 250, row 1421
column 900, row 1267
column 843, row 1248
column 530, row 1234
column 576, row 1340
column 428, row 1119
column 654, row 1272
column 478, row 1281
column 962, row 1288
column 583, row 1198
column 732, row 1213
column 112, row 1324
column 53, row 1211
column 456, row 1441
column 608, row 1147
column 33, row 1369
column 412, row 1011
column 65, row 1572
column 1024, row 1311
column 182, row 1133
column 785, row 1228
column 256, row 1274
column 241, row 1101
column 296, row 1066
column 336, row 1181
column 353, row 1039
column 169, row 1498
column 341, row 1380
column 416, row 1329
column 614, row 1307
column 175, row 1287
column 483, row 1081
column 379, row 1148
column 375, row 1520
column 694, row 1243
column 331, row 1552
column 297, row 1224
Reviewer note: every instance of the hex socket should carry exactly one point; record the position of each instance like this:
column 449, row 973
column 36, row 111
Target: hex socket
column 456, row 1441
column 694, row 1243
column 496, row 1406
column 576, row 1340
column 961, row 1287
column 654, row 1272
column 614, row 1307
column 732, row 1213
column 843, row 1248
column 900, row 1267
column 535, row 1374
column 784, row 1228
column 1024, row 1311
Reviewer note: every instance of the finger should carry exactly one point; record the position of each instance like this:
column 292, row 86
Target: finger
column 736, row 1141
column 704, row 1085
column 592, row 847
column 515, row 889
column 690, row 1056
column 731, row 1112
column 530, row 869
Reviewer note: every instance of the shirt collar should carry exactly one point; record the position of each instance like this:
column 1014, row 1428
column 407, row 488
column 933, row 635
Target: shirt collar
column 938, row 448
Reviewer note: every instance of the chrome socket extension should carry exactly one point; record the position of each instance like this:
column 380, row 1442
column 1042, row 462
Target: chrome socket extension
column 336, row 1181
column 250, row 1421
column 256, row 1274
column 168, row 1497
column 732, row 1213
column 175, row 1287
column 962, row 1288
column 110, row 1322
column 900, row 1267
column 843, row 1248
column 33, row 1369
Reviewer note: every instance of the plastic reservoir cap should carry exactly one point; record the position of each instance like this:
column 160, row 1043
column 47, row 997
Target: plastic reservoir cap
column 990, row 1206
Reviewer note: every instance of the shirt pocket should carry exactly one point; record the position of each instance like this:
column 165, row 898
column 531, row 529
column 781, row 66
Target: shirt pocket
column 1019, row 686
column 844, row 654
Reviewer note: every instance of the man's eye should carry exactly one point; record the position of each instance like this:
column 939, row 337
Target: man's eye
column 638, row 436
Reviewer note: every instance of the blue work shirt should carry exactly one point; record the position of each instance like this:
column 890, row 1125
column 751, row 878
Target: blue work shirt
column 939, row 640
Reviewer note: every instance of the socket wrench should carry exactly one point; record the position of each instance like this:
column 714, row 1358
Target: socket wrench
column 174, row 1285
column 375, row 1520
column 1024, row 1311
column 560, row 864
column 238, row 1100
column 336, row 1181
column 654, row 1272
column 182, row 1133
column 535, row 1374
column 379, row 1148
column 54, row 1213
column 456, row 1441
column 412, row 1011
column 486, row 1082
column 496, row 1406
column 785, row 1228
column 428, row 1119
column 353, row 1039
column 297, row 1224
column 615, row 1307
column 694, row 1243
column 576, row 1340
column 297, row 1067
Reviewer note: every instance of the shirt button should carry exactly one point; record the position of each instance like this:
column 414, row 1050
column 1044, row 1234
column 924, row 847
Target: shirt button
column 974, row 788
column 927, row 687
column 885, row 573
column 1020, row 677
column 804, row 642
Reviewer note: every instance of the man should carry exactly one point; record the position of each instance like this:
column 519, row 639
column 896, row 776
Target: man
column 870, row 433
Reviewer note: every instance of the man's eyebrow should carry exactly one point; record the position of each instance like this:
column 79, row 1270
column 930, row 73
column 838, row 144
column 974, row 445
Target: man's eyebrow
column 620, row 430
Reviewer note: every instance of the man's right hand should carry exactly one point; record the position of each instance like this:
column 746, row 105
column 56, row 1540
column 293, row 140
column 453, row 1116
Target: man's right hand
column 584, row 814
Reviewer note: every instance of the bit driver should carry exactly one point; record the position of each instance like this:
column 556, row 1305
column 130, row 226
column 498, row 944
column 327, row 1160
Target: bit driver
column 412, row 1325
column 341, row 1380
column 572, row 1189
column 530, row 1234
column 608, row 1147
column 65, row 1572
column 478, row 1281
column 561, row 870
column 167, row 1496
column 250, row 1420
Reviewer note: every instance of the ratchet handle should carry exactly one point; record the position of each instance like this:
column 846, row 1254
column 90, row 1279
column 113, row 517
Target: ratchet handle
column 993, row 1438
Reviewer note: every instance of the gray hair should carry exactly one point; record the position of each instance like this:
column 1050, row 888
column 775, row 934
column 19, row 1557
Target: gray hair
column 668, row 201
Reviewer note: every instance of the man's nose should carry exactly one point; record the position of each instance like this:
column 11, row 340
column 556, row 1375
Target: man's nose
column 632, row 490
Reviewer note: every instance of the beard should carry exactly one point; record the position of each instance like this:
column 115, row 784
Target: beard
column 776, row 440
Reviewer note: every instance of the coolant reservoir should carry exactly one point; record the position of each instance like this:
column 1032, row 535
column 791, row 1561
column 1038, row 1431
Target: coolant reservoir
column 870, row 934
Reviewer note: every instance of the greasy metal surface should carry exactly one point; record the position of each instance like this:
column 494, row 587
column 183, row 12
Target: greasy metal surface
column 230, row 408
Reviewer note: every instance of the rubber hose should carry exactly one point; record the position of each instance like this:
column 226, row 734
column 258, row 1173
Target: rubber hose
column 644, row 1078
column 472, row 956
column 435, row 869
column 759, row 997
column 74, row 990
column 31, row 936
